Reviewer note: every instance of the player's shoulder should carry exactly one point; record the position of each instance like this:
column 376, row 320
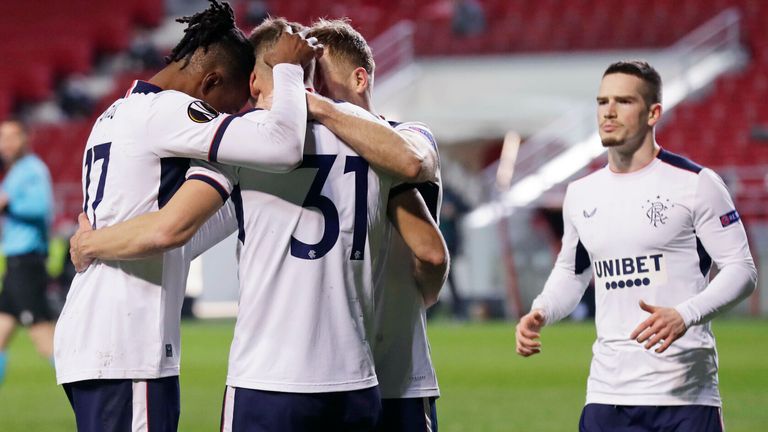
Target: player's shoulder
column 588, row 181
column 404, row 125
column 676, row 162
column 30, row 167
column 417, row 127
column 681, row 170
column 356, row 110
column 147, row 96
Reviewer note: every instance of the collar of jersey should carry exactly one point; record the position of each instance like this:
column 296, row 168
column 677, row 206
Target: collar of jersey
column 642, row 171
column 144, row 87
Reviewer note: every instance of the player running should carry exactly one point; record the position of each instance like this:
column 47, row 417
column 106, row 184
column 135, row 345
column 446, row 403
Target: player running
column 648, row 226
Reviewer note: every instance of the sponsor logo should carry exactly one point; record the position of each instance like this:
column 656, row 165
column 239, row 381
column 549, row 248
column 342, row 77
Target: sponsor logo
column 589, row 214
column 200, row 112
column 655, row 210
column 629, row 272
column 417, row 378
column 729, row 218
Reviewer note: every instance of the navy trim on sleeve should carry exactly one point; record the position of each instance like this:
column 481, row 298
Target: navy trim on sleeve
column 237, row 200
column 678, row 161
column 705, row 261
column 582, row 259
column 431, row 193
column 145, row 88
column 428, row 190
column 213, row 153
column 213, row 183
column 397, row 190
column 172, row 172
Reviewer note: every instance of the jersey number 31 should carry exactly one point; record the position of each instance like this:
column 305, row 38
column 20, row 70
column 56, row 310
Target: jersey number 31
column 315, row 198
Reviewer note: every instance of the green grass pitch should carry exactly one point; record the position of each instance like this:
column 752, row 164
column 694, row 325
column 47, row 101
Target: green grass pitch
column 485, row 386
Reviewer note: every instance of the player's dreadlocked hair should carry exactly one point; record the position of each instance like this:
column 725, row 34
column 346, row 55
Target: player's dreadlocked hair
column 214, row 26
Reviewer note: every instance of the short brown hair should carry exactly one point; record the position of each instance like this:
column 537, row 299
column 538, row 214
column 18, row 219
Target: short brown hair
column 645, row 72
column 344, row 42
column 266, row 34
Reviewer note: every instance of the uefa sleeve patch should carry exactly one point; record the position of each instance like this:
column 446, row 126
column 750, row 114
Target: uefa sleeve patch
column 729, row 218
column 426, row 134
column 201, row 112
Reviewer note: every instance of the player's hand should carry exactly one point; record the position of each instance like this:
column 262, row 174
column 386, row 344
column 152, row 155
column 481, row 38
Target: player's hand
column 527, row 331
column 3, row 201
column 293, row 48
column 665, row 325
column 80, row 262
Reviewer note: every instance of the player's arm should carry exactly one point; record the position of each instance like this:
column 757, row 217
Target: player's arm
column 718, row 226
column 410, row 216
column 180, row 126
column 218, row 227
column 274, row 144
column 407, row 156
column 562, row 291
column 199, row 198
column 150, row 233
column 273, row 140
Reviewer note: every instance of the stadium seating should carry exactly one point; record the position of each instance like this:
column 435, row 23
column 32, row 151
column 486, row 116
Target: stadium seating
column 44, row 41
column 727, row 115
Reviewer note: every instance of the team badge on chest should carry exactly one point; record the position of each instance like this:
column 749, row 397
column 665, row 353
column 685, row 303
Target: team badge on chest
column 656, row 210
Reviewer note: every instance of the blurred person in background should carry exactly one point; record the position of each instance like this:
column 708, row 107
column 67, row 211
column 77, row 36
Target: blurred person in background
column 26, row 201
column 468, row 18
column 453, row 210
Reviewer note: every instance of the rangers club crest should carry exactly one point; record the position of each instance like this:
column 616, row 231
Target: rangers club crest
column 655, row 210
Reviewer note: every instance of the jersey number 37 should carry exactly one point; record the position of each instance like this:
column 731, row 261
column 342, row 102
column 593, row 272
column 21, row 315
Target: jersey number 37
column 93, row 154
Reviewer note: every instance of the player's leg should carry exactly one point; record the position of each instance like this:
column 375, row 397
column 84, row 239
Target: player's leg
column 8, row 315
column 606, row 418
column 408, row 415
column 249, row 410
column 125, row 405
column 358, row 410
column 597, row 417
column 7, row 327
column 42, row 336
column 102, row 405
column 29, row 280
column 698, row 418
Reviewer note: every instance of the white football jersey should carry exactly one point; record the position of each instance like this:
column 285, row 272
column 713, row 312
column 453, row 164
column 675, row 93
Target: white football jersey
column 121, row 319
column 649, row 235
column 307, row 255
column 401, row 350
